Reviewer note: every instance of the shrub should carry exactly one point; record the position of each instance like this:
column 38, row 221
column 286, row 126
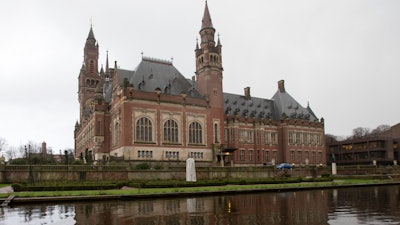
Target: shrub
column 158, row 167
column 18, row 187
column 142, row 166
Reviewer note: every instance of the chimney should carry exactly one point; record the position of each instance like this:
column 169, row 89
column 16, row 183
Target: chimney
column 281, row 85
column 247, row 93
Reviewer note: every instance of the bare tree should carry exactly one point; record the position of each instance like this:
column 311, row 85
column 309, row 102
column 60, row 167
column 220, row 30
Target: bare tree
column 360, row 132
column 3, row 143
column 12, row 153
column 380, row 129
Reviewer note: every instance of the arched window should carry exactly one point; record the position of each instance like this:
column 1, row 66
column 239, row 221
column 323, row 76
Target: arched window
column 144, row 130
column 195, row 133
column 171, row 131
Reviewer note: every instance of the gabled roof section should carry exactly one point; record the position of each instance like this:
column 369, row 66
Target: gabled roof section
column 287, row 105
column 239, row 105
column 152, row 74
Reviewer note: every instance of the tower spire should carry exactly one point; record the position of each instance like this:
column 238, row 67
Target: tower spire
column 107, row 62
column 206, row 22
column 91, row 34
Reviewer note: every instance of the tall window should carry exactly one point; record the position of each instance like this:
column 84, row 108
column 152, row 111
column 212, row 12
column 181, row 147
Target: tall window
column 171, row 131
column 274, row 138
column 267, row 138
column 267, row 156
column 305, row 138
column 216, row 133
column 250, row 155
column 299, row 156
column 298, row 138
column 241, row 155
column 144, row 130
column 291, row 138
column 314, row 157
column 195, row 133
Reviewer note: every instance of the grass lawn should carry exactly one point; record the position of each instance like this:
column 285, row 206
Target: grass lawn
column 140, row 191
column 4, row 185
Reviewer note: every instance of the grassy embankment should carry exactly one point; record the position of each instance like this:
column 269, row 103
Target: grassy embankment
column 197, row 189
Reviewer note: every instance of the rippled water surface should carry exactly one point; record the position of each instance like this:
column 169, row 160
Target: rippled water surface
column 367, row 205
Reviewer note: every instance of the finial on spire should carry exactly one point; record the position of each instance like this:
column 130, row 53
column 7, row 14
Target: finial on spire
column 91, row 34
column 219, row 42
column 197, row 43
column 107, row 68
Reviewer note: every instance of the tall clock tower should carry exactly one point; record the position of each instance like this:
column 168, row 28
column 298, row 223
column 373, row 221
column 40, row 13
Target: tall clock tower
column 209, row 74
column 89, row 76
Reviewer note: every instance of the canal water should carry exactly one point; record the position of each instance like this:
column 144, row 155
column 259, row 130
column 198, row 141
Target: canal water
column 363, row 205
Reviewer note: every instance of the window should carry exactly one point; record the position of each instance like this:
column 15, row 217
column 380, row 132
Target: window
column 242, row 136
column 250, row 136
column 292, row 155
column 299, row 156
column 250, row 155
column 267, row 138
column 305, row 138
column 145, row 154
column 291, row 138
column 144, row 130
column 274, row 138
column 313, row 156
column 195, row 133
column 171, row 131
column 171, row 155
column 275, row 155
column 318, row 139
column 306, row 156
column 241, row 155
column 320, row 156
column 267, row 156
column 298, row 138
column 197, row 155
column 216, row 133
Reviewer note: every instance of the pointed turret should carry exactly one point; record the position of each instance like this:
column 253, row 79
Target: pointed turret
column 206, row 22
column 107, row 68
column 91, row 53
column 91, row 40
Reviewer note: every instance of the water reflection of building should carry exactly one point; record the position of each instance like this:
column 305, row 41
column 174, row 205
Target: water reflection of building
column 303, row 207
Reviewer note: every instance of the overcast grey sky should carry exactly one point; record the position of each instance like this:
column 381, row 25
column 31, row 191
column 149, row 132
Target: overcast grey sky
column 340, row 56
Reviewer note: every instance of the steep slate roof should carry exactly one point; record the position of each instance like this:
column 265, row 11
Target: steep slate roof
column 286, row 104
column 280, row 103
column 248, row 106
column 153, row 74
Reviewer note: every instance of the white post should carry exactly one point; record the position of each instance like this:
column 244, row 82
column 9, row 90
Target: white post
column 190, row 170
column 334, row 169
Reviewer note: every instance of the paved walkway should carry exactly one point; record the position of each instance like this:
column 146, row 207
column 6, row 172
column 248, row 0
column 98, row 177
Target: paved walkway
column 7, row 189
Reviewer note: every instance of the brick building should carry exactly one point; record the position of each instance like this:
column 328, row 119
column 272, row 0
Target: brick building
column 381, row 149
column 154, row 114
